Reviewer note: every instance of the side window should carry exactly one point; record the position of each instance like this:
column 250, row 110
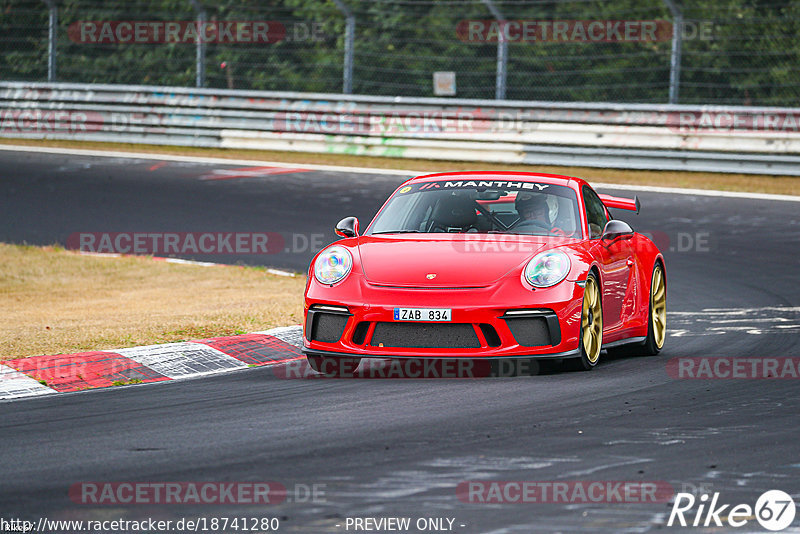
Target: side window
column 595, row 212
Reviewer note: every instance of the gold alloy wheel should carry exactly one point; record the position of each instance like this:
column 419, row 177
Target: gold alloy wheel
column 658, row 306
column 592, row 321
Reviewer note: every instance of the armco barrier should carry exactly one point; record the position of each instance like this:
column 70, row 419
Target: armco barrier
column 626, row 136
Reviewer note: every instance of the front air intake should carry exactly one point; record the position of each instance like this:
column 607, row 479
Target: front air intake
column 326, row 323
column 425, row 336
column 533, row 328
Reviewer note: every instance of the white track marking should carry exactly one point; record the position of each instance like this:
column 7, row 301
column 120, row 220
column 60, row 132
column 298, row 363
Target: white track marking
column 99, row 254
column 293, row 335
column 591, row 470
column 182, row 360
column 738, row 311
column 719, row 321
column 192, row 262
column 14, row 384
column 279, row 272
column 368, row 170
column 694, row 192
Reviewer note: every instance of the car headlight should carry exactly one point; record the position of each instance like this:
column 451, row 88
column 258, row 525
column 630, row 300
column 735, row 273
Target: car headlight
column 547, row 268
column 333, row 265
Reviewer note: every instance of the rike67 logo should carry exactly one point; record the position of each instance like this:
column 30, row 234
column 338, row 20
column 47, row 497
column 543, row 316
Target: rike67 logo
column 774, row 510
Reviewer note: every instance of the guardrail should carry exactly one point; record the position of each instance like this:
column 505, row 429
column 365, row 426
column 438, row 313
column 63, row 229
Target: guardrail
column 625, row 136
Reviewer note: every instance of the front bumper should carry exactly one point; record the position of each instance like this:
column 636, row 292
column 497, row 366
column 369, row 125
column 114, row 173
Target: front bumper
column 503, row 320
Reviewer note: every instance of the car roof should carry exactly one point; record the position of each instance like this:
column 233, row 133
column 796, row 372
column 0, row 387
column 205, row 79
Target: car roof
column 555, row 179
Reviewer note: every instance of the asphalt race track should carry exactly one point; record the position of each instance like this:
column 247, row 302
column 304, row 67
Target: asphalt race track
column 400, row 448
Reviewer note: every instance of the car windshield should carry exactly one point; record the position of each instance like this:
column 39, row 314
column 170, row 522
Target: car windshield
column 480, row 206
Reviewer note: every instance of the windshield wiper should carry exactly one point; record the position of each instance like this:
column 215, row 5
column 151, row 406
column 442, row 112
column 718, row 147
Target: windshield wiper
column 398, row 232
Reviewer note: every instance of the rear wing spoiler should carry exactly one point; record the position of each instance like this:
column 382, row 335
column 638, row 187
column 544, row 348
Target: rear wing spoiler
column 631, row 204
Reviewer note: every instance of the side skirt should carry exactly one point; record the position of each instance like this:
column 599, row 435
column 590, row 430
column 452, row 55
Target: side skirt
column 626, row 341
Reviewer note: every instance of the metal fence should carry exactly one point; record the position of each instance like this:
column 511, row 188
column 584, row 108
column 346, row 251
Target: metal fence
column 722, row 52
column 633, row 136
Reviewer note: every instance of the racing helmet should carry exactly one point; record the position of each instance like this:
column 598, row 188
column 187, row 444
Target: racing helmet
column 532, row 201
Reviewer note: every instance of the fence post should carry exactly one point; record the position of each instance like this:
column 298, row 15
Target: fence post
column 502, row 52
column 200, row 44
column 51, row 40
column 349, row 42
column 675, row 57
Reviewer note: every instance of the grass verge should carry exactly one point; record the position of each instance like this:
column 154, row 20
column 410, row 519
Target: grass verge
column 781, row 185
column 54, row 301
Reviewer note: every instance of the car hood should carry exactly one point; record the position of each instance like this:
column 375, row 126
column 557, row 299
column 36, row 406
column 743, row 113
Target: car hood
column 457, row 260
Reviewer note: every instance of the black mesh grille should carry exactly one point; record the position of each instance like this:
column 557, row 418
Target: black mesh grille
column 425, row 335
column 530, row 331
column 326, row 327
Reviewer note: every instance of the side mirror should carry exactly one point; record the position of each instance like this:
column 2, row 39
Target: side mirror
column 616, row 228
column 347, row 227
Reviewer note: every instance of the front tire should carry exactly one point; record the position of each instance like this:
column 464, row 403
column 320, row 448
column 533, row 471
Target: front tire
column 657, row 317
column 333, row 367
column 591, row 337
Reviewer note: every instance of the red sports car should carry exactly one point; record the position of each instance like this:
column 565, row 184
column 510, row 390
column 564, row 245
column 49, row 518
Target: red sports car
column 486, row 265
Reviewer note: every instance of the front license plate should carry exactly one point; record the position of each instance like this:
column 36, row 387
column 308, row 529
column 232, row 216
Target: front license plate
column 423, row 314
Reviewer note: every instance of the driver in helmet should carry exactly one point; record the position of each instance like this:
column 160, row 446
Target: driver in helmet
column 533, row 210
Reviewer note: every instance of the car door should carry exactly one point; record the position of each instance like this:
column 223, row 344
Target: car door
column 615, row 257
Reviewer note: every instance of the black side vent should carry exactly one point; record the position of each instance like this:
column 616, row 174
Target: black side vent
column 360, row 333
column 492, row 339
column 536, row 329
column 325, row 326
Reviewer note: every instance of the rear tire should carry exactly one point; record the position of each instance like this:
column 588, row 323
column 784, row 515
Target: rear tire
column 334, row 367
column 591, row 336
column 657, row 316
